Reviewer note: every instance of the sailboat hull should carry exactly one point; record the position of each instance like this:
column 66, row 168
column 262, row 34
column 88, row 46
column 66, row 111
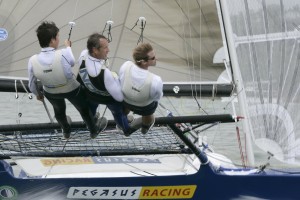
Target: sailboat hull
column 205, row 184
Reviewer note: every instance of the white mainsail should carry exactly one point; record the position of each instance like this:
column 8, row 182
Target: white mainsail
column 174, row 28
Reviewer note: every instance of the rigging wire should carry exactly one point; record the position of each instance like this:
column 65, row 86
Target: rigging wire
column 28, row 30
column 75, row 10
column 4, row 22
column 18, row 103
column 72, row 23
column 143, row 22
column 187, row 47
column 109, row 24
column 29, row 95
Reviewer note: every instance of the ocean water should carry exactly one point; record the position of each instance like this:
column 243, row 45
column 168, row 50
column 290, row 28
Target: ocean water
column 222, row 138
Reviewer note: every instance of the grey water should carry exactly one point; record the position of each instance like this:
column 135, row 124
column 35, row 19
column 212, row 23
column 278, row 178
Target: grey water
column 222, row 138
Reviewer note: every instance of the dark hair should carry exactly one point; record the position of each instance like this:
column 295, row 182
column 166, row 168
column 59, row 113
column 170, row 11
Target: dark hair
column 45, row 32
column 93, row 41
column 140, row 52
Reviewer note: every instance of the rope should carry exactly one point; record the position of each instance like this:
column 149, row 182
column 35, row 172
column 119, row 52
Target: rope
column 72, row 23
column 18, row 104
column 109, row 24
column 75, row 9
column 29, row 95
column 240, row 146
column 192, row 71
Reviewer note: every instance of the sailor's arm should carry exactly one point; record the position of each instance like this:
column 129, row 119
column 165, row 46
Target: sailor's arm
column 68, row 60
column 156, row 88
column 112, row 84
column 68, row 54
column 32, row 83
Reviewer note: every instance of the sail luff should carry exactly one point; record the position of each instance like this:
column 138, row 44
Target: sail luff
column 225, row 17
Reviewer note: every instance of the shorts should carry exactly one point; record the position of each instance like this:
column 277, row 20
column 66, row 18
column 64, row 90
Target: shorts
column 145, row 110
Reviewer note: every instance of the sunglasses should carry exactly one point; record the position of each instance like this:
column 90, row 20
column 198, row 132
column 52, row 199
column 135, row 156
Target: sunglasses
column 153, row 58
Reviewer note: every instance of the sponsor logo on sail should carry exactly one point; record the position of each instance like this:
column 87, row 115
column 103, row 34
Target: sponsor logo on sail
column 3, row 34
column 145, row 192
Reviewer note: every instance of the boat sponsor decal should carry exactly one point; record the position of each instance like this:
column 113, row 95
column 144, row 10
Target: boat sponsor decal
column 3, row 34
column 145, row 192
column 168, row 192
column 108, row 160
column 48, row 162
column 8, row 193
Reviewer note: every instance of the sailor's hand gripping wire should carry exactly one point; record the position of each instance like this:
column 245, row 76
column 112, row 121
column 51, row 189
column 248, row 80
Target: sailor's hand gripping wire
column 71, row 24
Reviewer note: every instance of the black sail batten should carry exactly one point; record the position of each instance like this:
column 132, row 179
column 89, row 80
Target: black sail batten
column 169, row 89
column 224, row 118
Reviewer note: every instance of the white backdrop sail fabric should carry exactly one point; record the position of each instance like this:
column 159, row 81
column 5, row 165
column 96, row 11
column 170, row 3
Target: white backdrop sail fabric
column 185, row 33
column 266, row 36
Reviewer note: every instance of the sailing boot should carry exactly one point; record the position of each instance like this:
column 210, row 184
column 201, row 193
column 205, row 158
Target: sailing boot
column 135, row 125
column 66, row 129
column 130, row 131
column 96, row 116
column 146, row 128
column 101, row 124
column 130, row 119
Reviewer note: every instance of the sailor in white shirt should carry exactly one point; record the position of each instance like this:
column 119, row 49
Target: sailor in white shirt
column 141, row 89
column 102, row 85
column 53, row 68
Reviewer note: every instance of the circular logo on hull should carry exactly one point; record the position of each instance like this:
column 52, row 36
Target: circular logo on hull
column 8, row 193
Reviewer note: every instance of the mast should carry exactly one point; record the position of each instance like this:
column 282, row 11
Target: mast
column 227, row 36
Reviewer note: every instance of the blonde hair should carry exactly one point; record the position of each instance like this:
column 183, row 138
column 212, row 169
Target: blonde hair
column 140, row 52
